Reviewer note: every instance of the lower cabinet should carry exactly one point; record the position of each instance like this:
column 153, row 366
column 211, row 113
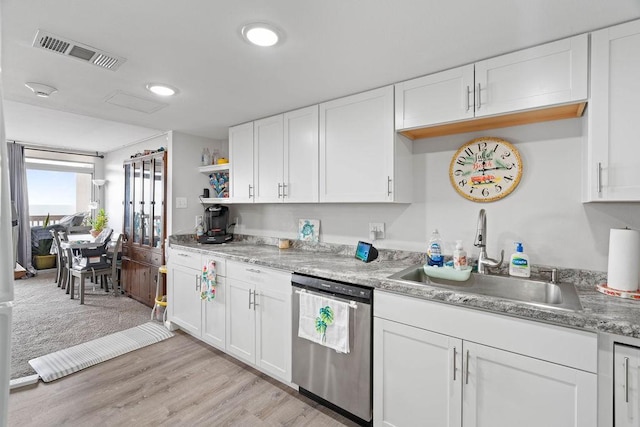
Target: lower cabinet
column 139, row 274
column 202, row 319
column 426, row 377
column 250, row 317
column 258, row 323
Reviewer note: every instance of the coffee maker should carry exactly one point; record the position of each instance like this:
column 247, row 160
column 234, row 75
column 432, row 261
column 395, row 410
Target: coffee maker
column 216, row 224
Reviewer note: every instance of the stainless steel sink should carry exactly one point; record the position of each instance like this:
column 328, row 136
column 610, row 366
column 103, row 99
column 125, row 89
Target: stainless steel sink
column 552, row 295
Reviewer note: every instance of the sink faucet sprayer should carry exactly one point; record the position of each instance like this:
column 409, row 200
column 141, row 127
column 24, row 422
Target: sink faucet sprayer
column 481, row 238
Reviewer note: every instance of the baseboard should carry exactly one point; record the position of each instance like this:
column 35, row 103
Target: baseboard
column 23, row 381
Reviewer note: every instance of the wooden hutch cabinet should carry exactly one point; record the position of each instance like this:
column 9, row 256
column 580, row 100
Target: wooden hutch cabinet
column 144, row 225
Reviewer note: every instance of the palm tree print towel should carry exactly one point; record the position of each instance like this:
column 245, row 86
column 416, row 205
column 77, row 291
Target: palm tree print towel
column 324, row 321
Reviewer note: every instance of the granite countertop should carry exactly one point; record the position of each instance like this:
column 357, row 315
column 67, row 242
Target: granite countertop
column 601, row 313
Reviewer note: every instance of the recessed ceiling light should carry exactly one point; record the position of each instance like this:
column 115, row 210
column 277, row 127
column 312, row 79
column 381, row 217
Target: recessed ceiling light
column 261, row 34
column 161, row 89
column 41, row 90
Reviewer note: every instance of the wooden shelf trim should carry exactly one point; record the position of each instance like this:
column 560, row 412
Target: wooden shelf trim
column 570, row 111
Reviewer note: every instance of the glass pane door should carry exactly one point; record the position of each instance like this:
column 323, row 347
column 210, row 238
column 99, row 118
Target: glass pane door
column 138, row 202
column 146, row 204
column 158, row 202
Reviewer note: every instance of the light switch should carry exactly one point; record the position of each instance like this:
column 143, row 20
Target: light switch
column 181, row 203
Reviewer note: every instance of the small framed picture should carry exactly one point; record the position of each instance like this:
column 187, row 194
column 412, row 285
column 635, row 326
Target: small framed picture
column 309, row 230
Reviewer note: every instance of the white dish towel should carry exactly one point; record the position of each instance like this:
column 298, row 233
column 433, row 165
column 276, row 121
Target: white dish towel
column 324, row 321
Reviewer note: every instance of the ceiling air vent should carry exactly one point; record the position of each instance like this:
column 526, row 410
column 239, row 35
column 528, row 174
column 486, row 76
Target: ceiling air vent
column 53, row 43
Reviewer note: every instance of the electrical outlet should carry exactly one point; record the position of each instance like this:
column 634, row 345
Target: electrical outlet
column 237, row 220
column 376, row 230
column 198, row 220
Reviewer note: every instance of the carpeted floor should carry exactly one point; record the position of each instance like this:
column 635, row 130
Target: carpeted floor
column 45, row 319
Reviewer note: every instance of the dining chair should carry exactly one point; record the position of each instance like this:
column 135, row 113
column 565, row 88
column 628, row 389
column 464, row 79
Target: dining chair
column 77, row 271
column 58, row 252
column 114, row 258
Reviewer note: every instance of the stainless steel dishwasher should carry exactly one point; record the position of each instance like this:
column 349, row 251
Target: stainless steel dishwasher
column 341, row 381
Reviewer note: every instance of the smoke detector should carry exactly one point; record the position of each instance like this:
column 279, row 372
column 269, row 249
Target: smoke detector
column 56, row 44
column 40, row 89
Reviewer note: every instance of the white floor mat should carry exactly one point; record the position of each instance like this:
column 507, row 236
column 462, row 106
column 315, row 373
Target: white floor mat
column 64, row 362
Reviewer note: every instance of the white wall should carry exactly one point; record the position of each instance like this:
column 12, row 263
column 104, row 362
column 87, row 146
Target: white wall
column 544, row 212
column 184, row 180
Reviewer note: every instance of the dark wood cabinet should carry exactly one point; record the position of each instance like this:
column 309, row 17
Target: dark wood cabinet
column 144, row 225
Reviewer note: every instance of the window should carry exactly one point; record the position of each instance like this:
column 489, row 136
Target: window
column 58, row 188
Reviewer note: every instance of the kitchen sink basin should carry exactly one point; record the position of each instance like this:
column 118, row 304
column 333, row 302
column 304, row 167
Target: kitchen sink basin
column 544, row 294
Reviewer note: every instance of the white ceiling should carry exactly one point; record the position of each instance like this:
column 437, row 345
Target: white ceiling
column 332, row 48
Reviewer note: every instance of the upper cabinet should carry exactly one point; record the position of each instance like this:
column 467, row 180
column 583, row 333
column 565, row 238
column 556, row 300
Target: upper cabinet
column 613, row 126
column 545, row 82
column 278, row 156
column 241, row 157
column 361, row 158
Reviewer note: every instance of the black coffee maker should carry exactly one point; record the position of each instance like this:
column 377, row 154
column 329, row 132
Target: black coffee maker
column 215, row 225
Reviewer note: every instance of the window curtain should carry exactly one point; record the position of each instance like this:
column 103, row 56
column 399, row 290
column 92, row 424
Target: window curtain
column 18, row 184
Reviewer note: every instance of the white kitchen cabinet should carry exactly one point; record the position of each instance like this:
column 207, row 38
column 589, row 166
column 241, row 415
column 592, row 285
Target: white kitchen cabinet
column 300, row 182
column 241, row 158
column 202, row 319
column 259, row 317
column 417, row 376
column 361, row 158
column 626, row 385
column 503, row 371
column 507, row 389
column 268, row 154
column 543, row 76
column 613, row 127
column 286, row 157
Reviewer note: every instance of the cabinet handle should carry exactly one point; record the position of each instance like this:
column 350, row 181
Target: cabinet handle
column 183, row 255
column 454, row 363
column 255, row 297
column 467, row 97
column 250, row 188
column 279, row 190
column 479, row 99
column 466, row 381
column 198, row 279
column 388, row 186
column 284, row 192
column 250, row 299
column 626, row 379
column 253, row 270
column 599, row 178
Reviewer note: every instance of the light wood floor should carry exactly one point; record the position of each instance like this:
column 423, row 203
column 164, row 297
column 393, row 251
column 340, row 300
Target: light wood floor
column 178, row 382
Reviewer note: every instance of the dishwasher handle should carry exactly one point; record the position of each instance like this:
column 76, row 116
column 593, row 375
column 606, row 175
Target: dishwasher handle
column 352, row 304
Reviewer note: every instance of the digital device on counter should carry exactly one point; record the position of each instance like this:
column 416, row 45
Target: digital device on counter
column 366, row 252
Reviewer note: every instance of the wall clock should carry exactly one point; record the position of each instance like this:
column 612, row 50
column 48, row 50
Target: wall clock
column 485, row 169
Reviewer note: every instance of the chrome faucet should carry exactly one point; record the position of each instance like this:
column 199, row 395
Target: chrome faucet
column 481, row 238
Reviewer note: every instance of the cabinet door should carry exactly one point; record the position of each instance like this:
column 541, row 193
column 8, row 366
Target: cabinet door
column 357, row 147
column 273, row 328
column 554, row 73
column 417, row 376
column 268, row 159
column 626, row 385
column 611, row 168
column 507, row 389
column 240, row 320
column 301, row 155
column 437, row 98
column 184, row 298
column 241, row 158
column 214, row 317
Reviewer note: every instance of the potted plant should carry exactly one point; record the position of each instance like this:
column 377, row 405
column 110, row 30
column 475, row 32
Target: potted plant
column 42, row 256
column 98, row 223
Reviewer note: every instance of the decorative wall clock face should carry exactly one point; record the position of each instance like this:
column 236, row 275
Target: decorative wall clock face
column 485, row 169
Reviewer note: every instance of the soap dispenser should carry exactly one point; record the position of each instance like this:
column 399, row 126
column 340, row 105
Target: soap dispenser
column 459, row 256
column 519, row 265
